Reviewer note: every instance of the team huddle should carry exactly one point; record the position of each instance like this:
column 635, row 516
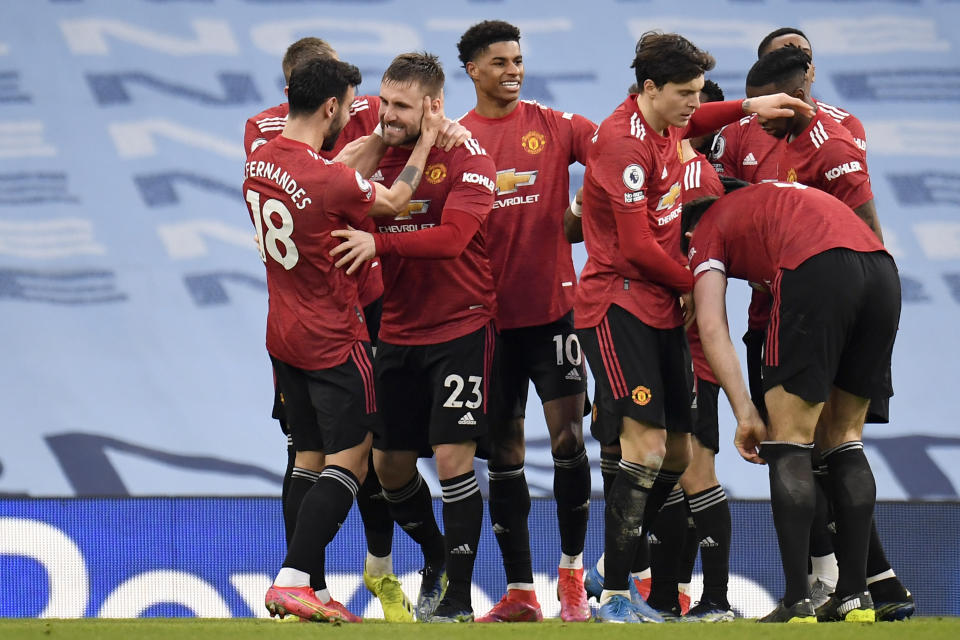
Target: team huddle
column 420, row 276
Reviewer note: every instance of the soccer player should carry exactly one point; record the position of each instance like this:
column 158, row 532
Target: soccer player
column 378, row 574
column 821, row 153
column 836, row 308
column 316, row 335
column 627, row 311
column 532, row 146
column 437, row 338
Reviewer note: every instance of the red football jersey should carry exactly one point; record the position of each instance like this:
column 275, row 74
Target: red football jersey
column 700, row 179
column 364, row 117
column 429, row 301
column 295, row 199
column 631, row 171
column 755, row 231
column 825, row 156
column 533, row 148
column 744, row 150
column 850, row 122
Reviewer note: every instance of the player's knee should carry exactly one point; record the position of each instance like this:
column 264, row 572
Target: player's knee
column 566, row 443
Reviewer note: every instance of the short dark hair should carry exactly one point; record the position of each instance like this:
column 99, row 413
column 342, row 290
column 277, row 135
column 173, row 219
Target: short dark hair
column 302, row 50
column 713, row 91
column 316, row 81
column 417, row 67
column 773, row 35
column 477, row 38
column 784, row 67
column 693, row 211
column 668, row 57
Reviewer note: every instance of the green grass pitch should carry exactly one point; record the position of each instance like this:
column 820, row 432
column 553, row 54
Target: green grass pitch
column 241, row 629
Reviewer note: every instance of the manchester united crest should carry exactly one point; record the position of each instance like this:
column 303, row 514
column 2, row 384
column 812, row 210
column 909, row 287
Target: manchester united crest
column 533, row 142
column 641, row 395
column 435, row 173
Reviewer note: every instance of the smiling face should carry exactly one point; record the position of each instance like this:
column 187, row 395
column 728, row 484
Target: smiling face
column 401, row 110
column 497, row 72
column 674, row 103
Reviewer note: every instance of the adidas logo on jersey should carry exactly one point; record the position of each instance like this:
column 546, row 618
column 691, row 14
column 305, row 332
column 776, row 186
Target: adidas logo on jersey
column 467, row 419
column 462, row 550
column 574, row 375
column 749, row 160
column 377, row 176
column 708, row 543
column 652, row 539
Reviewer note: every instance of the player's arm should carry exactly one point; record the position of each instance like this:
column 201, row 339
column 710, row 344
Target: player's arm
column 642, row 250
column 868, row 213
column 710, row 294
column 391, row 201
column 713, row 115
column 363, row 154
column 573, row 220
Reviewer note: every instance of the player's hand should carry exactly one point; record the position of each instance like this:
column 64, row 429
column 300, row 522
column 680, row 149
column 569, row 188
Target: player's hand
column 432, row 120
column 689, row 309
column 751, row 431
column 777, row 105
column 357, row 247
column 348, row 155
column 452, row 134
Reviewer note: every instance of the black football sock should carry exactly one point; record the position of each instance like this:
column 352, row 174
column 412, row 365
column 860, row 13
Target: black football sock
column 711, row 512
column 509, row 503
column 377, row 522
column 462, row 519
column 301, row 481
column 609, row 466
column 623, row 520
column 883, row 583
column 412, row 508
column 854, row 493
column 571, row 488
column 662, row 486
column 821, row 536
column 322, row 512
column 688, row 553
column 792, row 497
column 667, row 539
column 285, row 491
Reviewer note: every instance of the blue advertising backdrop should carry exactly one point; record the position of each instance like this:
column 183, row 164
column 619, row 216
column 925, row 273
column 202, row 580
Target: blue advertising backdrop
column 133, row 299
column 215, row 557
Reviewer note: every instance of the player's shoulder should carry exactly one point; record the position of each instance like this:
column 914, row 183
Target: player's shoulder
column 272, row 119
column 835, row 112
column 364, row 103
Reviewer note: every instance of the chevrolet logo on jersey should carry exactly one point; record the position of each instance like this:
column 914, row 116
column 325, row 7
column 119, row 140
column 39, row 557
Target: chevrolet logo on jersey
column 670, row 198
column 509, row 179
column 415, row 207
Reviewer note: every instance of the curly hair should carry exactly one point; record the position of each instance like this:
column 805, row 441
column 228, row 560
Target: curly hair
column 477, row 38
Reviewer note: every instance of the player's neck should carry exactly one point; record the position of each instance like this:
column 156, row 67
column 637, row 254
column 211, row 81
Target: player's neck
column 800, row 124
column 304, row 130
column 650, row 115
column 492, row 108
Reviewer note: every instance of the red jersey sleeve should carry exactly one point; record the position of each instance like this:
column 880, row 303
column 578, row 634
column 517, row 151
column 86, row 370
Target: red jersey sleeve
column 350, row 196
column 623, row 176
column 713, row 115
column 582, row 132
column 251, row 137
column 843, row 173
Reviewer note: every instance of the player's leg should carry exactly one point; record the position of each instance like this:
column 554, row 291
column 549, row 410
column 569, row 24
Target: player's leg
column 791, row 427
column 872, row 286
column 405, row 412
column 344, row 413
column 709, row 508
column 459, row 372
column 508, row 494
column 823, row 560
column 555, row 359
column 668, row 539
